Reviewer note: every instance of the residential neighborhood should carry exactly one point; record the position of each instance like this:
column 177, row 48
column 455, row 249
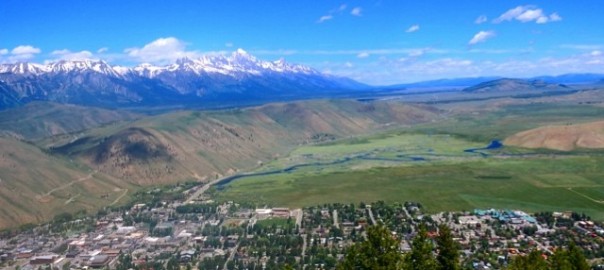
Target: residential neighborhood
column 185, row 233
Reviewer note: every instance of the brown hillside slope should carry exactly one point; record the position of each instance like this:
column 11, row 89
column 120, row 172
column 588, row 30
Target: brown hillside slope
column 34, row 186
column 105, row 165
column 38, row 120
column 194, row 145
column 566, row 138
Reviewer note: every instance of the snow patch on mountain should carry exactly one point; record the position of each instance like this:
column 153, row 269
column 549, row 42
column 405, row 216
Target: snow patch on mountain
column 236, row 64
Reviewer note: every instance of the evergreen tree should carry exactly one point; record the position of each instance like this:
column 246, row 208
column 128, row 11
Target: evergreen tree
column 421, row 257
column 576, row 257
column 559, row 260
column 569, row 259
column 448, row 250
column 533, row 261
column 378, row 252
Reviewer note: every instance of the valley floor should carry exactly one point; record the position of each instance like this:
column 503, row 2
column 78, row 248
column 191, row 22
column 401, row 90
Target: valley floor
column 431, row 169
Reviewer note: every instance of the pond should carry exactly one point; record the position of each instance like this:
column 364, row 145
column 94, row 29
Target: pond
column 495, row 144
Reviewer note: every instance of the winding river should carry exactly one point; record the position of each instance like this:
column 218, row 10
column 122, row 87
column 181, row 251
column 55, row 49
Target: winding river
column 495, row 144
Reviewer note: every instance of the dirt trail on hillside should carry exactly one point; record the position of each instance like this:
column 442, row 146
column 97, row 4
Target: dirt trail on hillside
column 45, row 197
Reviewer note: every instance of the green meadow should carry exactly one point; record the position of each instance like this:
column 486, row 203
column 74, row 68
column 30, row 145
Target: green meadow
column 448, row 180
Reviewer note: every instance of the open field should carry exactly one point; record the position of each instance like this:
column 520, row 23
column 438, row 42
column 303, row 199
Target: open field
column 320, row 143
column 446, row 177
column 531, row 184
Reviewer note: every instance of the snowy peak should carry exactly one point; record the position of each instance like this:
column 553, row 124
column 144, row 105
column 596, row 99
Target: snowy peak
column 236, row 64
column 62, row 66
column 23, row 68
column 234, row 78
column 98, row 66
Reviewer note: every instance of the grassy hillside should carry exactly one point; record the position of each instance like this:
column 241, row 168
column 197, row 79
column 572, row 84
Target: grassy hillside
column 486, row 121
column 207, row 145
column 34, row 186
column 38, row 120
column 102, row 166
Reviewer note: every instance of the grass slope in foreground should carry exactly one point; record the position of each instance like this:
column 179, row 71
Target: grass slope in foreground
column 451, row 182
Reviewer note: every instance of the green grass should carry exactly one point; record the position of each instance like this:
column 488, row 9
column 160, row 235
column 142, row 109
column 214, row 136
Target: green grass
column 407, row 143
column 392, row 145
column 509, row 120
column 277, row 222
column 537, row 184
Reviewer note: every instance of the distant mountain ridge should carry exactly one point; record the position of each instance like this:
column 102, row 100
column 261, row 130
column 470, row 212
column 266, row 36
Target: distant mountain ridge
column 233, row 80
column 516, row 85
column 211, row 78
column 572, row 78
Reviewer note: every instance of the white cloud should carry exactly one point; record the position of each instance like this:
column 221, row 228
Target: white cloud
column 324, row 18
column 450, row 62
column 417, row 53
column 542, row 20
column 481, row 19
column 363, row 55
column 554, row 17
column 161, row 51
column 66, row 54
column 413, row 28
column 388, row 51
column 481, row 36
column 393, row 70
column 357, row 11
column 102, row 50
column 532, row 15
column 228, row 44
column 25, row 49
column 21, row 53
column 596, row 53
column 510, row 14
column 527, row 14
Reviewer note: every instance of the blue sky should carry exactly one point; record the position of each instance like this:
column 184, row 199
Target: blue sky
column 377, row 42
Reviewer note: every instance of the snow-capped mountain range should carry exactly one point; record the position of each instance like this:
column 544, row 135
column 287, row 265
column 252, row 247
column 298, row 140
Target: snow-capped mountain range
column 210, row 78
column 238, row 62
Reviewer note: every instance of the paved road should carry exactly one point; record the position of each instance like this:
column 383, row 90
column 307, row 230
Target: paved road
column 335, row 219
column 543, row 247
column 371, row 216
column 231, row 256
column 410, row 219
column 303, row 245
column 202, row 189
column 298, row 213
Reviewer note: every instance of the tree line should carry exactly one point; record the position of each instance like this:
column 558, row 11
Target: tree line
column 380, row 251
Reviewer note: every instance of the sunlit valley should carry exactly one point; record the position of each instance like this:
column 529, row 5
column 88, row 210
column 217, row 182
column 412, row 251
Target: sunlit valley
column 238, row 135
